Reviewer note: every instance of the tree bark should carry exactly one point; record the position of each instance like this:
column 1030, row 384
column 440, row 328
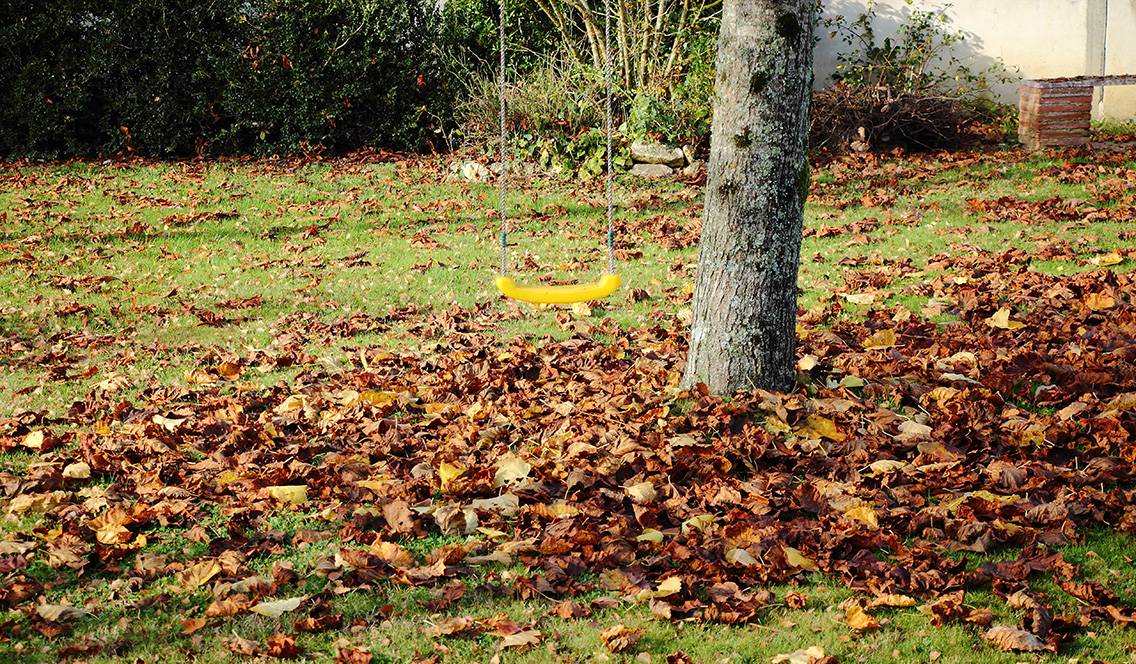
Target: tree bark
column 743, row 331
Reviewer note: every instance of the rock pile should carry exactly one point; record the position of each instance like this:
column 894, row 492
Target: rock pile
column 656, row 160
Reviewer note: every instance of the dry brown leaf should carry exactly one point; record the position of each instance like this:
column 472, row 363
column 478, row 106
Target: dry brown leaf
column 619, row 638
column 191, row 625
column 880, row 339
column 521, row 639
column 1099, row 301
column 1012, row 639
column 197, row 575
column 1001, row 320
column 797, row 559
column 641, row 493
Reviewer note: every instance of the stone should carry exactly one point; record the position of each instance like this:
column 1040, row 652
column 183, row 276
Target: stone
column 692, row 169
column 652, row 170
column 643, row 152
column 688, row 154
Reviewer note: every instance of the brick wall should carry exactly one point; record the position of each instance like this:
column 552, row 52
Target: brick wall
column 1054, row 114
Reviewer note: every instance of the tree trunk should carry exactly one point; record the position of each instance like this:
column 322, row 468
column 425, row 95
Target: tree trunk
column 743, row 333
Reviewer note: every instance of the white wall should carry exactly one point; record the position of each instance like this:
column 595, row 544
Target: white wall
column 1120, row 58
column 1033, row 38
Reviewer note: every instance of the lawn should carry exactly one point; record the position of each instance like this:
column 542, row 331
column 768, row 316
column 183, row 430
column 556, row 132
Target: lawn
column 484, row 478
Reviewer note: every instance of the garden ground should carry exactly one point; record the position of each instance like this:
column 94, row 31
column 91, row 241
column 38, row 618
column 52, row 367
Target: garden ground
column 485, row 478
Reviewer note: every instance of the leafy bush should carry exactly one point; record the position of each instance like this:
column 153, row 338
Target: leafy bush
column 557, row 96
column 555, row 116
column 336, row 73
column 679, row 112
column 909, row 91
column 174, row 77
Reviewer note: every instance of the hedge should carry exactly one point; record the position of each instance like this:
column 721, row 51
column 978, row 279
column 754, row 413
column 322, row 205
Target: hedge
column 181, row 77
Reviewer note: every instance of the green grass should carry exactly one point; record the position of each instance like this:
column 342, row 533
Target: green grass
column 132, row 251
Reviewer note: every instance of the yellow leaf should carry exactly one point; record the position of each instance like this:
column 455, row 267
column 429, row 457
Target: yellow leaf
column 506, row 504
column 797, row 559
column 37, row 502
column 881, row 339
column 510, row 468
column 859, row 620
column 194, row 576
column 110, row 527
column 775, row 425
column 292, row 404
column 699, row 522
column 58, row 613
column 885, row 466
column 1013, row 639
column 563, row 510
column 530, row 637
column 669, row 586
column 168, row 423
column 807, row 362
column 943, row 394
column 821, row 427
column 1111, row 258
column 740, row 557
column 860, row 298
column 682, row 440
column 289, row 494
column 279, row 607
column 889, row 599
column 1122, row 402
column 1099, row 301
column 865, row 515
column 376, row 398
column 914, row 429
column 641, row 493
column 377, row 485
column 79, row 470
column 1001, row 320
column 34, row 440
column 448, row 472
column 806, row 656
column 938, row 451
column 199, row 376
column 229, row 370
column 581, row 309
column 650, row 535
column 392, row 553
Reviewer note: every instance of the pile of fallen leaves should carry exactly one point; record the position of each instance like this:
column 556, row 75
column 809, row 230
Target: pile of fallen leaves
column 582, row 460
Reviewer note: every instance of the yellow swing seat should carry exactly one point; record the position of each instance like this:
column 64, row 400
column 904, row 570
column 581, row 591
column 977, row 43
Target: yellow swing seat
column 566, row 294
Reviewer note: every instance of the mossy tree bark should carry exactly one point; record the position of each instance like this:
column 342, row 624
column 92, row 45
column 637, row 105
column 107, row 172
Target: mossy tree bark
column 743, row 333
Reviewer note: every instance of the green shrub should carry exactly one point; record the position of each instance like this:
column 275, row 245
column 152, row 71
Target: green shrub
column 680, row 111
column 335, row 73
column 174, row 77
column 558, row 96
column 555, row 116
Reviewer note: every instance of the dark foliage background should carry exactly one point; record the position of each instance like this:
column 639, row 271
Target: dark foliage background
column 179, row 77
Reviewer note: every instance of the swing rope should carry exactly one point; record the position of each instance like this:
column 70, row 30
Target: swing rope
column 504, row 137
column 503, row 175
column 607, row 116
